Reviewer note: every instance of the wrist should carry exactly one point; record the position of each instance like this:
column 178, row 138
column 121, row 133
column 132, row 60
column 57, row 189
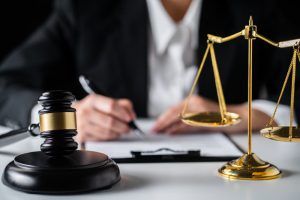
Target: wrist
column 240, row 109
column 259, row 118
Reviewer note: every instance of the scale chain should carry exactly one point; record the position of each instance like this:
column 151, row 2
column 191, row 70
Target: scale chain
column 270, row 124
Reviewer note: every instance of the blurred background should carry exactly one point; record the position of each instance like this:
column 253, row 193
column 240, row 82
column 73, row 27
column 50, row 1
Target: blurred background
column 18, row 20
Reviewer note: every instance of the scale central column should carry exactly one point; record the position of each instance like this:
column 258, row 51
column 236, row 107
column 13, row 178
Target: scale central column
column 249, row 166
column 250, row 47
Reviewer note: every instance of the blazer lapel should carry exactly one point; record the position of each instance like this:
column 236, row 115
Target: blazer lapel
column 133, row 52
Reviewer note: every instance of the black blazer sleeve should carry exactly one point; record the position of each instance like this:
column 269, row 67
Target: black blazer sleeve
column 37, row 65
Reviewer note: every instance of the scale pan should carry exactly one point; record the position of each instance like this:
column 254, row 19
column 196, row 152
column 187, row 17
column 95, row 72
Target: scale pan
column 281, row 133
column 210, row 119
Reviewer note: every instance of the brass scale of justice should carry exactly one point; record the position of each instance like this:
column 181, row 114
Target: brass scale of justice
column 249, row 166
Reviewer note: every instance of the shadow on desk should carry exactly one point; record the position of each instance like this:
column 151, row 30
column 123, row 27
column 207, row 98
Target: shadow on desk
column 288, row 173
column 127, row 183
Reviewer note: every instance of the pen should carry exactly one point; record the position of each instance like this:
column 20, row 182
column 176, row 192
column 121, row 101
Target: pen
column 90, row 88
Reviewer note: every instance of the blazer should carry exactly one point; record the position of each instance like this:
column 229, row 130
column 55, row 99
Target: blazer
column 107, row 41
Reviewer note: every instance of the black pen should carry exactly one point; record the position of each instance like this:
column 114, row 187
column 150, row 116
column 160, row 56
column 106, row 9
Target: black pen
column 90, row 88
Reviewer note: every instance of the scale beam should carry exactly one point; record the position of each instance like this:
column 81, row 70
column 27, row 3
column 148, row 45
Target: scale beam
column 251, row 30
column 282, row 44
column 217, row 39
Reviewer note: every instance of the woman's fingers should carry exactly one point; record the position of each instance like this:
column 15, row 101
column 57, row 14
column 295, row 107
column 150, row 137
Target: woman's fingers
column 103, row 118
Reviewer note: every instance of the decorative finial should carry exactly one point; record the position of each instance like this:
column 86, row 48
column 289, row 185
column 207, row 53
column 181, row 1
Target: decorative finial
column 250, row 21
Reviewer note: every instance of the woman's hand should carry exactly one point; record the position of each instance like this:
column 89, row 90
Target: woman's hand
column 169, row 121
column 102, row 118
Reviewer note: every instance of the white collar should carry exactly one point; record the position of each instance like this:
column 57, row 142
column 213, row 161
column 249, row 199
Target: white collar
column 163, row 27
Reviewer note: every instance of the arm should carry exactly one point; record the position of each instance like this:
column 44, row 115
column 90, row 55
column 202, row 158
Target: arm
column 169, row 121
column 262, row 110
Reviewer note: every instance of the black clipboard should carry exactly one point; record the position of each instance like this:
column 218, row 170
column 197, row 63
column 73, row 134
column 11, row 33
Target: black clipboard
column 160, row 155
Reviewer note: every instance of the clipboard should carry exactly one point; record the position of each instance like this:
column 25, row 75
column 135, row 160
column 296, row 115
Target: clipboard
column 158, row 156
column 161, row 148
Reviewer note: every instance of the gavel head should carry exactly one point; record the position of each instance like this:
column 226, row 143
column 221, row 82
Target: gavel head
column 57, row 123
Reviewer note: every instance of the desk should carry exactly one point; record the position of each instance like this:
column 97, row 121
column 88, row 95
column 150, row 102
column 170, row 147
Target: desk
column 183, row 180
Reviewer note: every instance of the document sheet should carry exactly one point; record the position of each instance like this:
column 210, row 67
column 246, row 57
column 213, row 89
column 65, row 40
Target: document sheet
column 210, row 144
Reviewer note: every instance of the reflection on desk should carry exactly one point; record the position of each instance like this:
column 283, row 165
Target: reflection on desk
column 184, row 180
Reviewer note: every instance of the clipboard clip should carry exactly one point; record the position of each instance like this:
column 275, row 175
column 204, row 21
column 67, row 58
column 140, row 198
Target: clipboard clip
column 169, row 154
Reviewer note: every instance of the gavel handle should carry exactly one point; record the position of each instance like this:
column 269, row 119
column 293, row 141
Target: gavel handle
column 19, row 134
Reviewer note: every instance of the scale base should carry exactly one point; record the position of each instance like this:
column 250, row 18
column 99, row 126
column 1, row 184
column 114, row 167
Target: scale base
column 81, row 171
column 249, row 167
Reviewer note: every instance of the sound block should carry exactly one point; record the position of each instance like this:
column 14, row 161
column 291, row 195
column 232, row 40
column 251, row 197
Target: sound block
column 81, row 171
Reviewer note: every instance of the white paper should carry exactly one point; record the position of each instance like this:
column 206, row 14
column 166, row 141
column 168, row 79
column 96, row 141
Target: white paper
column 210, row 144
column 4, row 129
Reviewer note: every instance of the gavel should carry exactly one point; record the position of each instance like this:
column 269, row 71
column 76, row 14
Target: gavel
column 59, row 168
